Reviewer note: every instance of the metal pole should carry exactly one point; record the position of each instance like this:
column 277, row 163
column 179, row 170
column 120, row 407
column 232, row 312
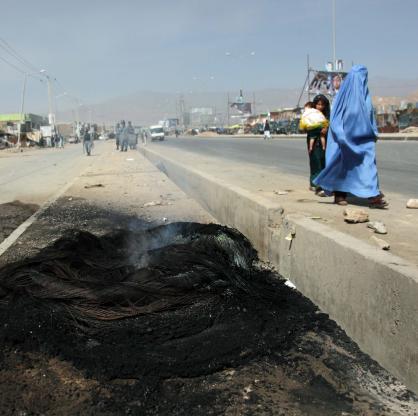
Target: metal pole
column 77, row 112
column 308, row 77
column 51, row 115
column 303, row 90
column 254, row 112
column 227, row 110
column 19, row 132
column 334, row 57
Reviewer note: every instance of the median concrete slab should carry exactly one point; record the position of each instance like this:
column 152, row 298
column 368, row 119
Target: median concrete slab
column 382, row 136
column 370, row 293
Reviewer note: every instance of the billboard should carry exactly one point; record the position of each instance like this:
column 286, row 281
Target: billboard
column 244, row 108
column 172, row 123
column 326, row 82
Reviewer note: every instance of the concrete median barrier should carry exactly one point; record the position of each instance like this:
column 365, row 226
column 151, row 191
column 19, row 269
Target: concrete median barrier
column 370, row 293
column 382, row 136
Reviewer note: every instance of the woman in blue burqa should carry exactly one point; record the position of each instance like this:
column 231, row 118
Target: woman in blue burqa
column 350, row 165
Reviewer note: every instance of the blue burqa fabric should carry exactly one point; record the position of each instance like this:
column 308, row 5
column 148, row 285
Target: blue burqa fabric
column 350, row 154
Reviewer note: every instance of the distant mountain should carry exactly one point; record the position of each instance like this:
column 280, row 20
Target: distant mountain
column 386, row 87
column 147, row 107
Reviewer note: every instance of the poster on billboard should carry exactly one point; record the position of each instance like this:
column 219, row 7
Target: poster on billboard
column 326, row 82
column 244, row 108
column 172, row 123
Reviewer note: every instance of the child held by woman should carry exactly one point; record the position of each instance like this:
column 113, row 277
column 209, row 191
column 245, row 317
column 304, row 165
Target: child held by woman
column 313, row 119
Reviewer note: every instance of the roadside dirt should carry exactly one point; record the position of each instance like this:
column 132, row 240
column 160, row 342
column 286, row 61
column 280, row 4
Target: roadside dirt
column 12, row 214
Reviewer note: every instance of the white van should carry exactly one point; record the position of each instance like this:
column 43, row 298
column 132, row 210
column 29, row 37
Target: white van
column 156, row 132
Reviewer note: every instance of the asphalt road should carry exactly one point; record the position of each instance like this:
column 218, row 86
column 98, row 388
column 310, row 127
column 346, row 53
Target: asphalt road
column 34, row 175
column 397, row 160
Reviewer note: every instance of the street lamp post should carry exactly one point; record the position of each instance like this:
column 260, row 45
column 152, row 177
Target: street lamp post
column 22, row 105
column 334, row 57
column 51, row 115
column 19, row 132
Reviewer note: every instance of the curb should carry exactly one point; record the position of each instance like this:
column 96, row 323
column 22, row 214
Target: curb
column 401, row 138
column 385, row 137
column 371, row 294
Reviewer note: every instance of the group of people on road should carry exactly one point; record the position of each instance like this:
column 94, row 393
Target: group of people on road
column 125, row 136
column 57, row 140
column 341, row 143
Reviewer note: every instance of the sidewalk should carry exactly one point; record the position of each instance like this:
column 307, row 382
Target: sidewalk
column 292, row 194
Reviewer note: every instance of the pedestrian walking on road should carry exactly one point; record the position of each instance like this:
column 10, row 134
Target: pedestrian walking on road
column 55, row 140
column 124, row 137
column 351, row 148
column 144, row 137
column 316, row 142
column 132, row 138
column 266, row 130
column 118, row 133
column 87, row 142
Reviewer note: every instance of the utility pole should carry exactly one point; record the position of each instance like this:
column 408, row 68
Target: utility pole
column 334, row 56
column 254, row 112
column 227, row 111
column 22, row 105
column 308, row 77
column 182, row 111
column 51, row 115
column 21, row 110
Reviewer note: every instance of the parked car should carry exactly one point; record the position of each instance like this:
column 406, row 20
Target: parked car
column 73, row 139
column 157, row 133
column 293, row 127
column 4, row 142
column 282, row 127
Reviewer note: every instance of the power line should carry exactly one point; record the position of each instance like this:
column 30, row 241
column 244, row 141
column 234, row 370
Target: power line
column 12, row 65
column 9, row 49
column 25, row 67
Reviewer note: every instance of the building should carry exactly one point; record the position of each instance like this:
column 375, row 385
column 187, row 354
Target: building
column 408, row 118
column 30, row 122
column 285, row 114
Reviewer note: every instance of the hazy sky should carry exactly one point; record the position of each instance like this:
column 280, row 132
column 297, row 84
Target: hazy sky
column 101, row 49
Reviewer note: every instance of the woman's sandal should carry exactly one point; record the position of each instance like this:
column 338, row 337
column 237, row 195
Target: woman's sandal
column 320, row 192
column 377, row 202
column 340, row 200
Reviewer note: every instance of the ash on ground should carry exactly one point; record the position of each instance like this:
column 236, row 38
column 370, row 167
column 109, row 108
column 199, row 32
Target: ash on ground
column 178, row 319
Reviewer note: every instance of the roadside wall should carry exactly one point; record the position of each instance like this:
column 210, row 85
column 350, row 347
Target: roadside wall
column 370, row 293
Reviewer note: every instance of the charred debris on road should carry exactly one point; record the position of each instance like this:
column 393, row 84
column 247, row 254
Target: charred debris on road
column 175, row 307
